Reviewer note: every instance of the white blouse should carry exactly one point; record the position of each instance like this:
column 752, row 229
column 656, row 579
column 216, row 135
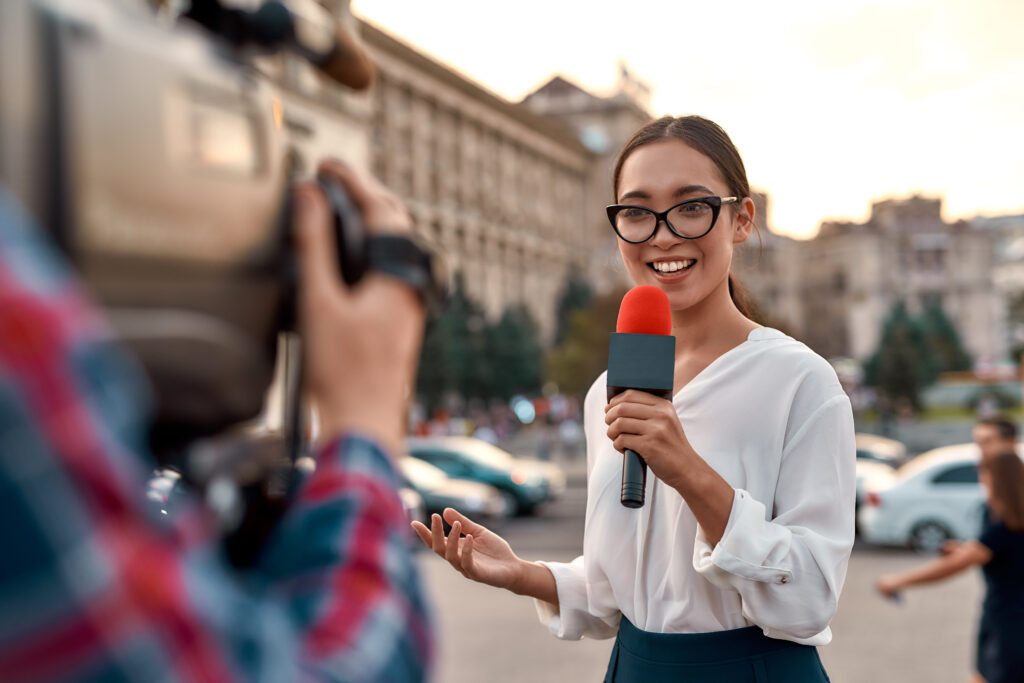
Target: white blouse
column 771, row 418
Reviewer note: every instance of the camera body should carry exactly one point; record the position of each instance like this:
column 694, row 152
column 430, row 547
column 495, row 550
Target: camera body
column 157, row 158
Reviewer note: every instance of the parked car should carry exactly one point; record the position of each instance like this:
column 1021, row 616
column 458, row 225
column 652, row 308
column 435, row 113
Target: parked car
column 877, row 457
column 523, row 483
column 440, row 491
column 881, row 449
column 933, row 498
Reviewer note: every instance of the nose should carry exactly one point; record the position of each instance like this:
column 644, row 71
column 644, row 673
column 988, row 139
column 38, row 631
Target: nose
column 663, row 236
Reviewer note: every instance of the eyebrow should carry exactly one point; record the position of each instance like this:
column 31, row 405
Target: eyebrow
column 684, row 190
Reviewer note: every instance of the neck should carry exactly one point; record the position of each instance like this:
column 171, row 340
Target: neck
column 710, row 324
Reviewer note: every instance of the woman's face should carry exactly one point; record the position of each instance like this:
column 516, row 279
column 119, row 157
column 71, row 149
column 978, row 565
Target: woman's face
column 657, row 176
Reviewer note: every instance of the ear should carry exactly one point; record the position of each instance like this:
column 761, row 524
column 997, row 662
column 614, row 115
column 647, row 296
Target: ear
column 744, row 221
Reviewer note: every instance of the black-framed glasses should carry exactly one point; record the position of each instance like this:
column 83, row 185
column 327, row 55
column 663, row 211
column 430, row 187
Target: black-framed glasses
column 688, row 219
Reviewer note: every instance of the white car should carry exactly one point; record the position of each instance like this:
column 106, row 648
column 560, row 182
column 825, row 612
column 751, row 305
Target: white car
column 933, row 498
column 877, row 457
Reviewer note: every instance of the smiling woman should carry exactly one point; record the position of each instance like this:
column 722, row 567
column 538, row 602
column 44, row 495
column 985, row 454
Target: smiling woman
column 731, row 571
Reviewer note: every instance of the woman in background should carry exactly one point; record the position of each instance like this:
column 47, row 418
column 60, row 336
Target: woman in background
column 999, row 551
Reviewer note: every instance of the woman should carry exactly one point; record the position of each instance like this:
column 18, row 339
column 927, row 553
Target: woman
column 1000, row 553
column 732, row 569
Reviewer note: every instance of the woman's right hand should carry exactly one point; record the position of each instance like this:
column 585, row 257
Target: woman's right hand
column 480, row 555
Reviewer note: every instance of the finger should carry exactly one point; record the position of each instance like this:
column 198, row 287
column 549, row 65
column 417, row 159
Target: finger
column 437, row 534
column 452, row 515
column 635, row 396
column 628, row 441
column 467, row 555
column 314, row 237
column 423, row 532
column 641, row 411
column 379, row 207
column 452, row 551
column 356, row 186
column 625, row 425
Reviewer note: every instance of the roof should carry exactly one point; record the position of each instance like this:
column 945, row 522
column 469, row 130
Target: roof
column 377, row 38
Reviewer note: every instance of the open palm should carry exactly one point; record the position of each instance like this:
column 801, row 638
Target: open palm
column 480, row 554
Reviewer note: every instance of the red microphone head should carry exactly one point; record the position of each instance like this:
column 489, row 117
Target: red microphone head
column 645, row 310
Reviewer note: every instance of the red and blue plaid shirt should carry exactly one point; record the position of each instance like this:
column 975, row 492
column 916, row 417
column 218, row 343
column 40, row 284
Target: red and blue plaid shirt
column 94, row 587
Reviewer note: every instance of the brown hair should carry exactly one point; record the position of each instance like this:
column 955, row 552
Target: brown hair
column 708, row 138
column 1007, row 429
column 1006, row 477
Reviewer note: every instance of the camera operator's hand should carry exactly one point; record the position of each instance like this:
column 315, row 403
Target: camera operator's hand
column 361, row 344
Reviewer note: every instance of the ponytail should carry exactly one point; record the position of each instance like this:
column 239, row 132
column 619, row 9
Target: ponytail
column 739, row 296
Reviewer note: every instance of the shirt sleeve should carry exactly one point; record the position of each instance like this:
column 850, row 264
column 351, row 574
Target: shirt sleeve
column 788, row 564
column 576, row 615
column 94, row 585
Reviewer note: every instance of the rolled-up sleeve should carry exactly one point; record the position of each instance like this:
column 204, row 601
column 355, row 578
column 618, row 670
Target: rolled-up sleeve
column 575, row 616
column 789, row 564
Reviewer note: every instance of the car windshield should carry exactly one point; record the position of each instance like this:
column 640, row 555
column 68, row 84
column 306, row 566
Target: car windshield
column 484, row 453
column 422, row 473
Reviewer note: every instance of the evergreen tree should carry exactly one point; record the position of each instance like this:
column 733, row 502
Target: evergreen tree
column 583, row 355
column 576, row 295
column 514, row 354
column 902, row 364
column 943, row 340
column 453, row 356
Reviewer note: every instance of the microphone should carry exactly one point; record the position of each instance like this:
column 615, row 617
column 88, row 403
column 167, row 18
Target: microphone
column 641, row 355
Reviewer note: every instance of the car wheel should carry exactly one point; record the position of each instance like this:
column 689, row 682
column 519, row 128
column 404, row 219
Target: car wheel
column 511, row 503
column 928, row 537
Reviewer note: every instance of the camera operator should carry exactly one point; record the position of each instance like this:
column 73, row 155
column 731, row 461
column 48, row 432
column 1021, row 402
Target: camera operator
column 93, row 586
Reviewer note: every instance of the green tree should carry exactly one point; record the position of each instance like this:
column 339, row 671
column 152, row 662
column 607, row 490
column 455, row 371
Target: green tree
column 902, row 364
column 454, row 353
column 576, row 295
column 513, row 355
column 943, row 340
column 575, row 363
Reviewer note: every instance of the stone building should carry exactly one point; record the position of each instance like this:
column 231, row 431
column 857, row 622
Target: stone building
column 767, row 267
column 603, row 124
column 852, row 274
column 503, row 191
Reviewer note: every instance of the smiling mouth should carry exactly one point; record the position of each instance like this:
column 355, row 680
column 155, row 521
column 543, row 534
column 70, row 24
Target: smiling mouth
column 671, row 267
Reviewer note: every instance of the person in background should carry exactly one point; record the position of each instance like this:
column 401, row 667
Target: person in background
column 999, row 551
column 94, row 587
column 732, row 569
column 995, row 435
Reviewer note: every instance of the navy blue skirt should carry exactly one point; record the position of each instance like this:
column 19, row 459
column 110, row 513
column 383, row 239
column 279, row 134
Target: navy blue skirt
column 738, row 656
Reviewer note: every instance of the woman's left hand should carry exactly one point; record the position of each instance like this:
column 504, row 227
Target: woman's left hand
column 649, row 425
column 889, row 587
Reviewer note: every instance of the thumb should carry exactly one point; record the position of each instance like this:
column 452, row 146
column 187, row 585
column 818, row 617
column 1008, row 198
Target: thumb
column 314, row 238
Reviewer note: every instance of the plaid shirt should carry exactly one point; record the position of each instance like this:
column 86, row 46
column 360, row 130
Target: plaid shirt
column 94, row 587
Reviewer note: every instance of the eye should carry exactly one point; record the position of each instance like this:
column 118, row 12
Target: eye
column 692, row 210
column 633, row 213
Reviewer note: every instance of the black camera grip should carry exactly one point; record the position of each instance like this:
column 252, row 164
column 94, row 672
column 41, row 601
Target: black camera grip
column 349, row 234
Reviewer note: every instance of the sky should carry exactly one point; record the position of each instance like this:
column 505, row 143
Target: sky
column 833, row 105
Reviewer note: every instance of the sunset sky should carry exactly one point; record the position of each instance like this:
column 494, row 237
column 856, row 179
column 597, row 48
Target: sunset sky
column 833, row 105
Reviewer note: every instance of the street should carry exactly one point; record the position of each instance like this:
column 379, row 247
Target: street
column 488, row 635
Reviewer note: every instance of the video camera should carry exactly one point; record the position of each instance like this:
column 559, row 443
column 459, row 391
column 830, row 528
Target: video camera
column 150, row 142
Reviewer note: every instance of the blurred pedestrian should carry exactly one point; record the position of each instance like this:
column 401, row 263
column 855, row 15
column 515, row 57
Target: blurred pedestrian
column 732, row 569
column 999, row 551
column 995, row 435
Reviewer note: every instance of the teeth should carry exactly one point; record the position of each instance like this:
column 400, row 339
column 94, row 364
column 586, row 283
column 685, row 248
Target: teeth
column 671, row 266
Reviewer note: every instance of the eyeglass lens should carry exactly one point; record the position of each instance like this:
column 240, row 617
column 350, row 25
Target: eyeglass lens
column 691, row 220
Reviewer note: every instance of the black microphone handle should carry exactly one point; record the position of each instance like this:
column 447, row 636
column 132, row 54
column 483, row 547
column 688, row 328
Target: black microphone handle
column 634, row 479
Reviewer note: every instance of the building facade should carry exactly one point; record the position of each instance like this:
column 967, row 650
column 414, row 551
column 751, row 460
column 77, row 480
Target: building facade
column 501, row 190
column 603, row 124
column 852, row 275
